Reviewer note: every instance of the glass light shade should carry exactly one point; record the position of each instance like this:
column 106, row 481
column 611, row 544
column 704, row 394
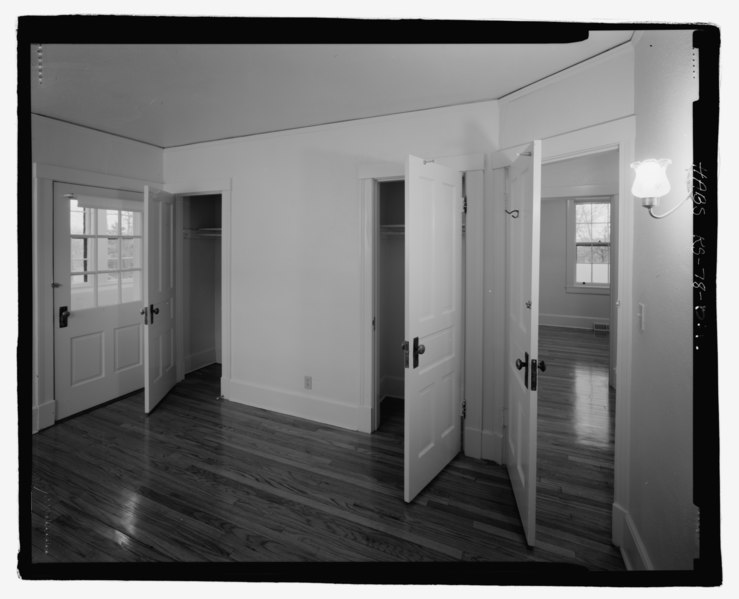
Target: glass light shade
column 651, row 178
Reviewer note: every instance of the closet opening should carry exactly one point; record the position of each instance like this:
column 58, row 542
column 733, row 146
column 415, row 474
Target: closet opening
column 199, row 284
column 390, row 299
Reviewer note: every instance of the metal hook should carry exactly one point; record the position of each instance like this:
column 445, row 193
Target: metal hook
column 513, row 213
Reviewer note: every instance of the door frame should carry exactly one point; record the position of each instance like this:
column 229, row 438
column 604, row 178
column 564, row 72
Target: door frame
column 179, row 266
column 42, row 264
column 220, row 187
column 370, row 175
column 614, row 135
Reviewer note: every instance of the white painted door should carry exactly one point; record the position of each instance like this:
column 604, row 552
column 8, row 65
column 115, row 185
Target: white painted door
column 159, row 342
column 98, row 288
column 433, row 321
column 522, row 367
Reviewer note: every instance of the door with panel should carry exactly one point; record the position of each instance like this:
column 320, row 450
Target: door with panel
column 522, row 339
column 433, row 321
column 160, row 373
column 98, row 288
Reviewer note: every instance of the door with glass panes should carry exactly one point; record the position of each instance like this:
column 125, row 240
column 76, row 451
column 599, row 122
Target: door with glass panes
column 98, row 292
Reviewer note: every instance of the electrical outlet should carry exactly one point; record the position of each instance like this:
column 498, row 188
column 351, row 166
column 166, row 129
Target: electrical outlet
column 308, row 382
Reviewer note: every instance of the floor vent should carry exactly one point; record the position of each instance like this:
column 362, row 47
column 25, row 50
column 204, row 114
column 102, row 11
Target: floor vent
column 601, row 328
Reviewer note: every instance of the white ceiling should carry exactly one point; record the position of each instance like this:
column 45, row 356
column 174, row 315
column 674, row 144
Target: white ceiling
column 172, row 95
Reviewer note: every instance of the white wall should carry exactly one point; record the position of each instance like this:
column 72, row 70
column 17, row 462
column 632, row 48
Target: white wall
column 82, row 156
column 295, row 274
column 61, row 144
column 594, row 174
column 661, row 433
column 596, row 91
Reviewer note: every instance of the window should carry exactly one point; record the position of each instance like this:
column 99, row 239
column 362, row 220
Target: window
column 106, row 256
column 589, row 245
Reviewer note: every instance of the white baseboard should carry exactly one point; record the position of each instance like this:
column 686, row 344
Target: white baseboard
column 302, row 405
column 633, row 550
column 200, row 359
column 492, row 446
column 44, row 415
column 570, row 322
column 392, row 386
column 364, row 420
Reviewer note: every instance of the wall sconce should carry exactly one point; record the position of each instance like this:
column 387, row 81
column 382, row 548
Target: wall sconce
column 651, row 183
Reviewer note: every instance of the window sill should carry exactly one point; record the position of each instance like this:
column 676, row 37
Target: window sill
column 591, row 289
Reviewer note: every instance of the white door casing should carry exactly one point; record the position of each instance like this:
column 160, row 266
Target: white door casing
column 160, row 372
column 522, row 274
column 98, row 354
column 433, row 320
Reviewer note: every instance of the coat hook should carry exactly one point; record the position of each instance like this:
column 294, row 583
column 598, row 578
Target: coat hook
column 513, row 213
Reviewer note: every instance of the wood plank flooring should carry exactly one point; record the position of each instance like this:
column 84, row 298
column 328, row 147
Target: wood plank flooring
column 203, row 480
column 575, row 445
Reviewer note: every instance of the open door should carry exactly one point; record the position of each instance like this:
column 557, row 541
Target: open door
column 522, row 366
column 433, row 321
column 159, row 349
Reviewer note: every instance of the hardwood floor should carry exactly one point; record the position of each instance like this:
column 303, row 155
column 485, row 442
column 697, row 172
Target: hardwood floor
column 575, row 445
column 206, row 480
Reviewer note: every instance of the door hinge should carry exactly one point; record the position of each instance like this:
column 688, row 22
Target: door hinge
column 373, row 323
column 464, row 409
column 464, row 205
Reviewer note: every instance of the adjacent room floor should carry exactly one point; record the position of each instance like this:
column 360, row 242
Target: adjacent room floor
column 207, row 480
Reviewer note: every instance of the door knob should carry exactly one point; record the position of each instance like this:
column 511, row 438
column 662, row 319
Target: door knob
column 525, row 365
column 64, row 315
column 417, row 351
column 541, row 365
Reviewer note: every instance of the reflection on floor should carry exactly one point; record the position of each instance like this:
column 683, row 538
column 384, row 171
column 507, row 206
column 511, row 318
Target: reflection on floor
column 575, row 444
column 208, row 480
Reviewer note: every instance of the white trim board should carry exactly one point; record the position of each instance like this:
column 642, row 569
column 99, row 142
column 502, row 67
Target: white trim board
column 301, row 405
column 570, row 322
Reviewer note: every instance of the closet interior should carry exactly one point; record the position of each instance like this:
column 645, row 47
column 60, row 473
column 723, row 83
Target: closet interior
column 201, row 280
column 390, row 290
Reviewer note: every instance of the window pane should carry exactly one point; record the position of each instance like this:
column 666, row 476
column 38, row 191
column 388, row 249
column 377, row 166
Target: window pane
column 601, row 213
column 82, row 254
column 131, row 223
column 601, row 273
column 131, row 286
column 583, row 270
column 583, row 232
column 601, row 254
column 583, row 212
column 108, row 222
column 108, row 284
column 601, row 232
column 82, row 292
column 130, row 253
column 583, row 273
column 112, row 253
column 81, row 219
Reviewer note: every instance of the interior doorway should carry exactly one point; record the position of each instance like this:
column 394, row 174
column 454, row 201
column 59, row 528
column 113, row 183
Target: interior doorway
column 199, row 281
column 390, row 297
column 577, row 341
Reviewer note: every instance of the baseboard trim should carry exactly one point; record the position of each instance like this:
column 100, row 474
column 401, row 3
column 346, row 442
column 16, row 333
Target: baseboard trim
column 44, row 415
column 301, row 405
column 200, row 359
column 570, row 322
column 492, row 446
column 392, row 386
column 626, row 536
